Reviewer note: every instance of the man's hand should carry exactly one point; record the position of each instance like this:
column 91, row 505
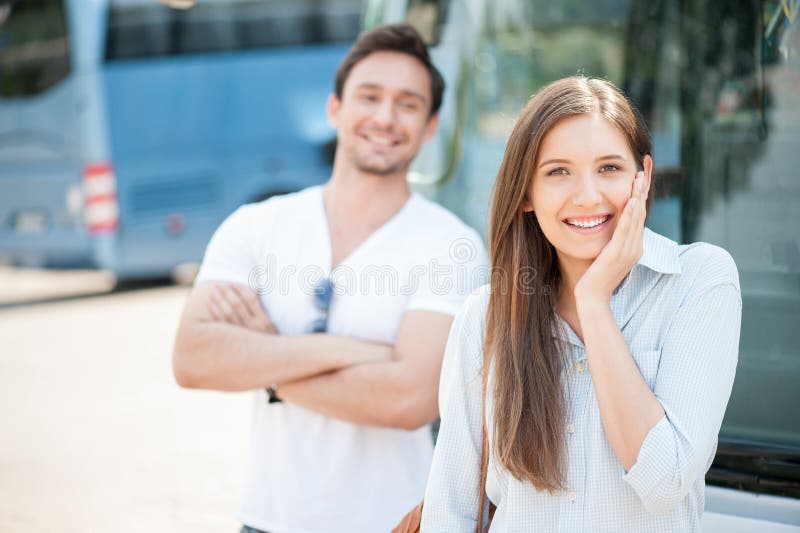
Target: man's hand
column 400, row 392
column 239, row 305
column 230, row 351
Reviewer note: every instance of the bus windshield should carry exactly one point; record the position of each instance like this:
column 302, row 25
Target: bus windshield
column 34, row 47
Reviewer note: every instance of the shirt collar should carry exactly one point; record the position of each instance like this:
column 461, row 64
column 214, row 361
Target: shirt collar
column 659, row 253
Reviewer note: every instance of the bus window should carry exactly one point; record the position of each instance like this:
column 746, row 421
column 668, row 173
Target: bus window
column 428, row 17
column 740, row 147
column 34, row 47
column 524, row 45
column 144, row 28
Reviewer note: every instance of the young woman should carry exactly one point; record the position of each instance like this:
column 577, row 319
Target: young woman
column 611, row 350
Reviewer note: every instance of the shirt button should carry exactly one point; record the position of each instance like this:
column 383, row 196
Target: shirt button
column 570, row 428
column 580, row 366
column 572, row 496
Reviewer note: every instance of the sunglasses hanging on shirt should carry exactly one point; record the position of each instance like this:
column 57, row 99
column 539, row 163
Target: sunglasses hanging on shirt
column 323, row 294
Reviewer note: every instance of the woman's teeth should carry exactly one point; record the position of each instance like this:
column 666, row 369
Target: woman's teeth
column 587, row 223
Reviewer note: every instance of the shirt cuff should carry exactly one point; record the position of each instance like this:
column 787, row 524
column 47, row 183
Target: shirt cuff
column 656, row 461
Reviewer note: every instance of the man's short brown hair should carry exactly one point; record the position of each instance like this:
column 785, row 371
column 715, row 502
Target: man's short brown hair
column 401, row 38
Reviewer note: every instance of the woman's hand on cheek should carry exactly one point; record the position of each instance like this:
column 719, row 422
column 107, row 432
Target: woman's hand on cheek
column 620, row 254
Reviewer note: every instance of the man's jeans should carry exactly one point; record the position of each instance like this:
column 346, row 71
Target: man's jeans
column 248, row 529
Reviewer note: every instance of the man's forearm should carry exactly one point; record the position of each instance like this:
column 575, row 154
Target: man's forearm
column 379, row 394
column 220, row 356
column 399, row 393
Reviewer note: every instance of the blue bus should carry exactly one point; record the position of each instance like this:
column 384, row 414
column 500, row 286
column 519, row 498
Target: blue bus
column 129, row 129
column 718, row 82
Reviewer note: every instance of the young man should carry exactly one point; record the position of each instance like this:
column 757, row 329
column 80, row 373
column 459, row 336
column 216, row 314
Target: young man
column 356, row 283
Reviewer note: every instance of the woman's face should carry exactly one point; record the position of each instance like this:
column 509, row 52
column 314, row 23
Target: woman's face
column 582, row 181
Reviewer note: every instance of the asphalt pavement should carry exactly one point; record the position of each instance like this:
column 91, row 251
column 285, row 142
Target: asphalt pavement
column 94, row 434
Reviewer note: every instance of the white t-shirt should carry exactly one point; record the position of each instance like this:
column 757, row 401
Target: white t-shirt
column 310, row 473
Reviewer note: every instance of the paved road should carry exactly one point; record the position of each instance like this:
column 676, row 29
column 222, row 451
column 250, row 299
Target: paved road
column 94, row 434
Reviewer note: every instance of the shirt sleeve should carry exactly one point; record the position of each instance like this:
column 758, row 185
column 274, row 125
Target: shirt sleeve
column 459, row 267
column 451, row 496
column 230, row 255
column 693, row 384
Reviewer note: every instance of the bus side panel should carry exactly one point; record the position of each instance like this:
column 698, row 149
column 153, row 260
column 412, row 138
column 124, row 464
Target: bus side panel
column 41, row 220
column 194, row 137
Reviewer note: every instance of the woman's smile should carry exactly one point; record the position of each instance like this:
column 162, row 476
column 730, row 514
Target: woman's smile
column 588, row 225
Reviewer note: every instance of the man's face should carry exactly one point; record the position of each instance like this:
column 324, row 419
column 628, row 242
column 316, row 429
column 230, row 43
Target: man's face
column 383, row 116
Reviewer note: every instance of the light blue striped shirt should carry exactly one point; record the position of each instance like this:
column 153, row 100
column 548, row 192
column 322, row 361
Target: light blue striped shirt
column 679, row 310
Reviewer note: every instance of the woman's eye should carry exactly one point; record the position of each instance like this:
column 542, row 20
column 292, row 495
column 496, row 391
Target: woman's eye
column 560, row 171
column 609, row 168
column 369, row 97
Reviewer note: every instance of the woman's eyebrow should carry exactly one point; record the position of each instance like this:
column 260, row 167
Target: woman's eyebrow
column 549, row 161
column 567, row 161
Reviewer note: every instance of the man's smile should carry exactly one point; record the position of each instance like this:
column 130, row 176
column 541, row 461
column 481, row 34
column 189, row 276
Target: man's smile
column 380, row 139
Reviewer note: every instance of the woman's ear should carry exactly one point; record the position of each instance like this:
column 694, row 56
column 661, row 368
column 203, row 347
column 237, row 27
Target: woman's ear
column 647, row 162
column 527, row 205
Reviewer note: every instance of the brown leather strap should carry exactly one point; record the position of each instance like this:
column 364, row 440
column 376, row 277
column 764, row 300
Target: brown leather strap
column 484, row 448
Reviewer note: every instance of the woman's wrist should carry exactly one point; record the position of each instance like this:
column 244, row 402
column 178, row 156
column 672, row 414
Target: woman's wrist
column 588, row 305
column 590, row 299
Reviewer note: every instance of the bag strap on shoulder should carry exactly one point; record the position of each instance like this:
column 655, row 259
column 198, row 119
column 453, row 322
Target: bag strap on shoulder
column 484, row 451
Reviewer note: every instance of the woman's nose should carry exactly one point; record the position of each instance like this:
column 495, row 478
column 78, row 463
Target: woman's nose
column 587, row 191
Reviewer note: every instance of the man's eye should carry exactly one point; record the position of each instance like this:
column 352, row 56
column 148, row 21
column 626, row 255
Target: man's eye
column 411, row 106
column 369, row 97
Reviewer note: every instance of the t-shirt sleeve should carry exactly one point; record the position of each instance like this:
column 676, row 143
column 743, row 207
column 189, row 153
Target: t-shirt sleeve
column 458, row 267
column 231, row 254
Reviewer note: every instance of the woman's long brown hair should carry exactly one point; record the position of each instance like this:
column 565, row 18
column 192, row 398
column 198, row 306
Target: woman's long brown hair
column 523, row 339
